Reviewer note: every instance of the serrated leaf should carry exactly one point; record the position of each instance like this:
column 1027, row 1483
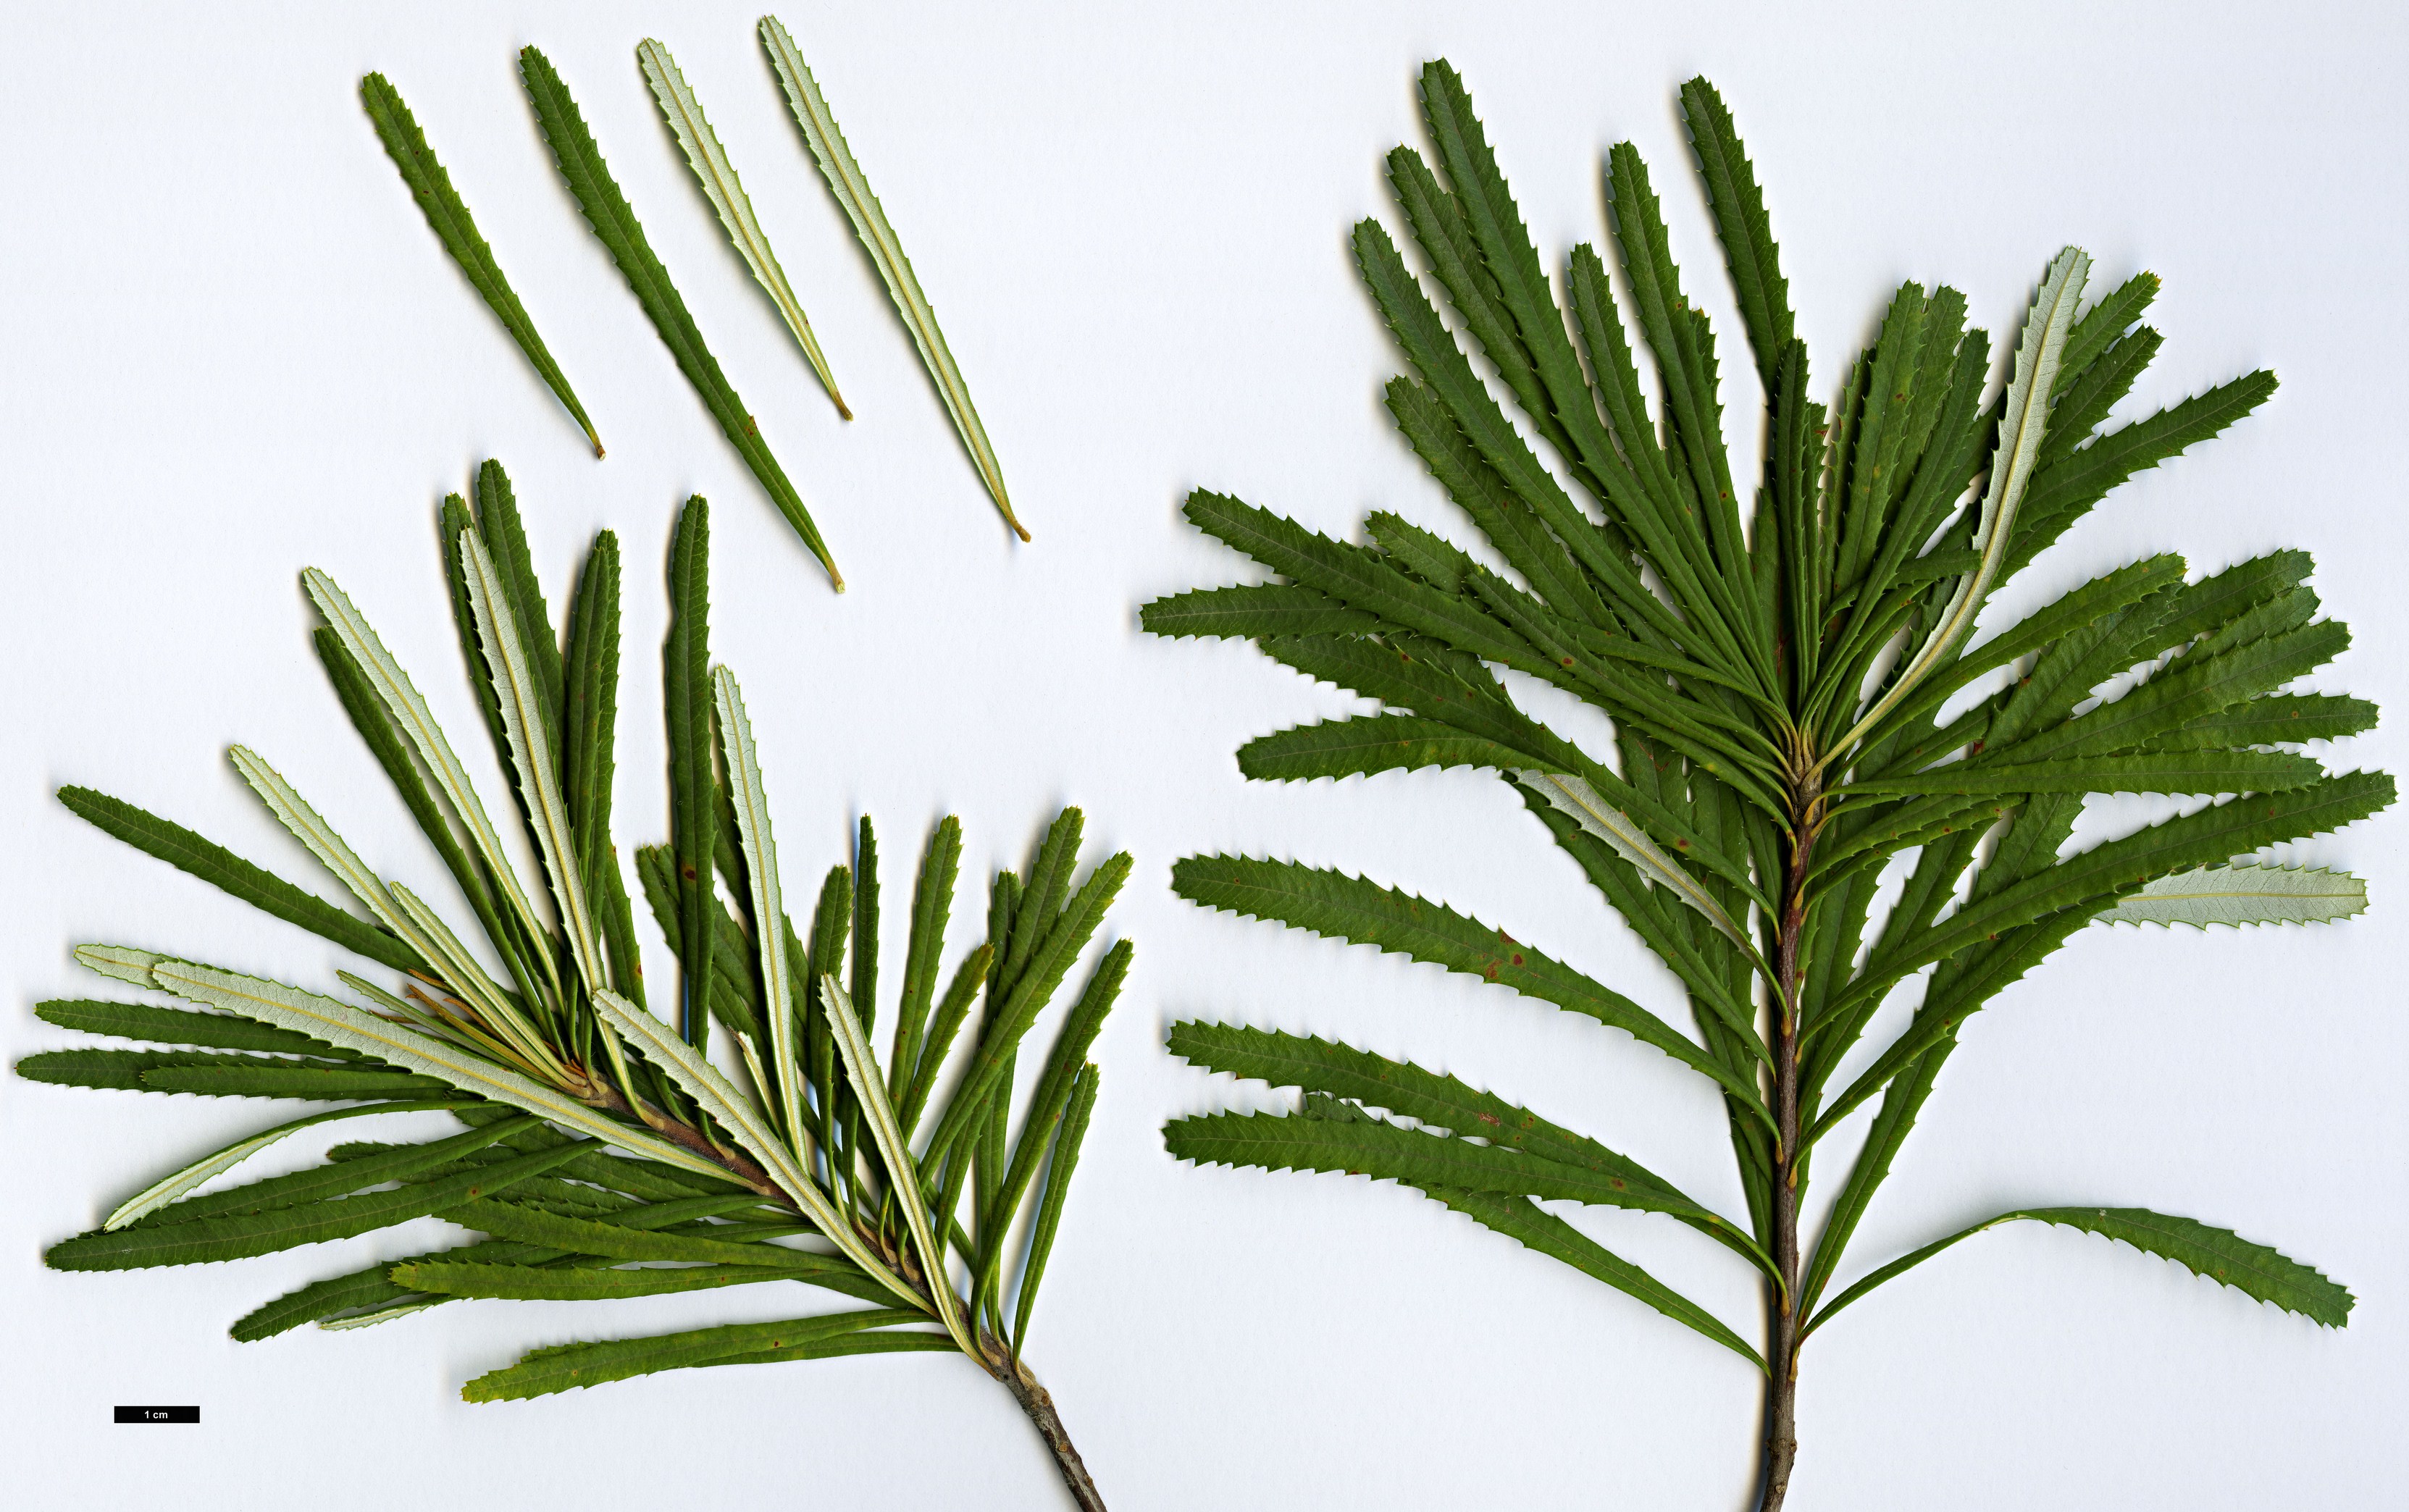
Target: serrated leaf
column 852, row 191
column 238, row 1236
column 532, row 752
column 533, row 1283
column 453, row 226
column 751, row 799
column 214, row 864
column 2021, row 431
column 1574, row 796
column 1386, row 1151
column 2240, row 895
column 726, row 192
column 1367, row 744
column 408, row 710
column 2218, row 1254
column 339, row 1023
column 181, row 1026
column 1349, row 908
column 861, row 1071
column 563, row 1367
column 614, row 223
column 528, row 1224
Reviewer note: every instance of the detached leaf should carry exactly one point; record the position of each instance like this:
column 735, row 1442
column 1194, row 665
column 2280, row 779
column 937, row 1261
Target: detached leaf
column 726, row 192
column 614, row 220
column 441, row 205
column 852, row 191
column 2239, row 894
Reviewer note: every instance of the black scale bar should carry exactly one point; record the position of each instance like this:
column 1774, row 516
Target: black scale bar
column 158, row 1415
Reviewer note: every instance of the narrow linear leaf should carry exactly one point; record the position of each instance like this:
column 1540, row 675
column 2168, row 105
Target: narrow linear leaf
column 568, row 1366
column 354, row 1029
column 2218, row 1254
column 239, row 1236
column 453, row 226
column 221, row 867
column 861, row 1071
column 2240, row 895
column 2021, row 432
column 726, row 192
column 852, row 190
column 614, row 220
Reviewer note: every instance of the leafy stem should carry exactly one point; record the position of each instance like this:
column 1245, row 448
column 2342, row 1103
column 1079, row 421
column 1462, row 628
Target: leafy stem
column 1775, row 687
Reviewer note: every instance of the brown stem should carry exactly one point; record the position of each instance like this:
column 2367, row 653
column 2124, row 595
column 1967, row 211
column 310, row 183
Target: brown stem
column 1780, row 1449
column 1036, row 1401
column 997, row 1361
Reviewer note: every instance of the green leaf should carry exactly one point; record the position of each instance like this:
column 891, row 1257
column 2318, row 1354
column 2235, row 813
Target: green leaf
column 321, row 1300
column 2203, row 772
column 1435, row 1101
column 2103, row 323
column 188, row 852
column 990, row 1072
column 563, row 1367
column 198, row 1240
column 339, row 1177
column 614, row 220
column 2209, row 836
column 726, row 192
column 2239, row 894
column 852, row 191
column 1067, row 1139
column 2217, row 1254
column 1521, row 1219
column 528, row 1225
column 2061, row 492
column 861, row 1071
column 1355, row 577
column 452, row 226
column 118, row 1070
column 354, row 1028
column 1386, row 1151
column 1347, row 908
column 316, row 1084
column 932, row 905
column 531, row 1283
column 1271, row 608
column 2281, row 719
column 1366, row 744
column 2025, row 423
column 1741, row 225
column 179, row 1025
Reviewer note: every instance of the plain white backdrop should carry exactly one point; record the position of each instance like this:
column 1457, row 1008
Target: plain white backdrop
column 236, row 350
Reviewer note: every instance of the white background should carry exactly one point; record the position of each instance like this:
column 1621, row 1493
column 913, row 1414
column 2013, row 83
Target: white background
column 236, row 350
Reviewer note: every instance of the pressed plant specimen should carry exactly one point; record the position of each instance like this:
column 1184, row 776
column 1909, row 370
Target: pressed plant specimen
column 605, row 1154
column 1802, row 706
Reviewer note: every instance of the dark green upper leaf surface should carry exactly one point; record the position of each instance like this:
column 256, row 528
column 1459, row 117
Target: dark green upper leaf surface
column 188, row 852
column 453, row 226
column 615, row 222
